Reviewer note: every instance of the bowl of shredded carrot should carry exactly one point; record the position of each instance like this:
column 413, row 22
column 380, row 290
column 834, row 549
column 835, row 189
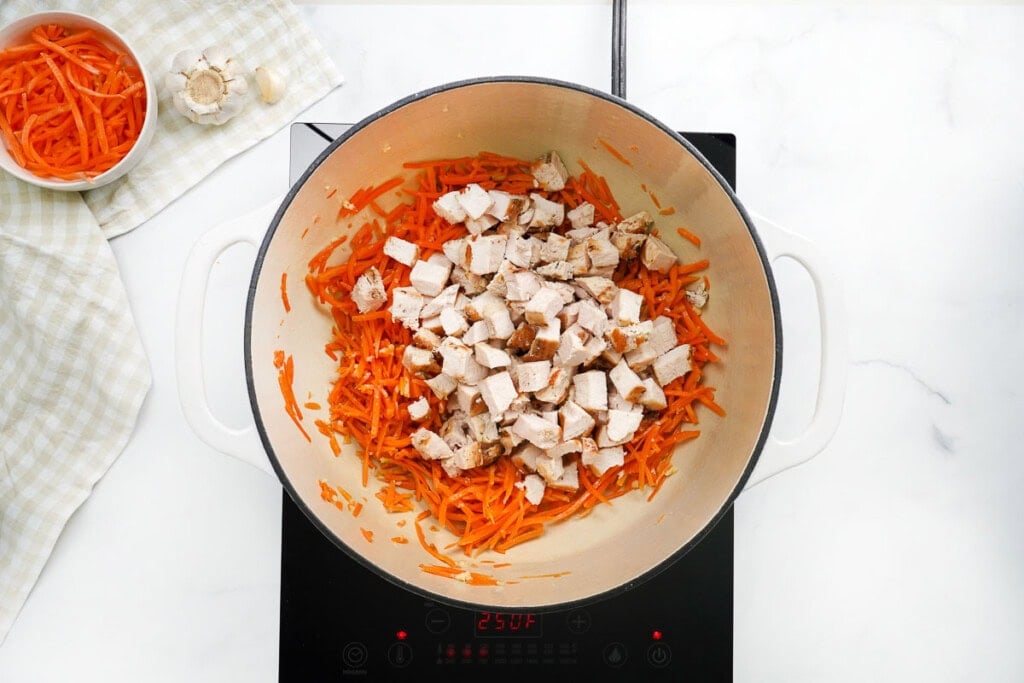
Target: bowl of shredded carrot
column 77, row 107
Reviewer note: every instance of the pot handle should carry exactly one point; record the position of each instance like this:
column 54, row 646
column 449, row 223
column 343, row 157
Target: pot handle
column 778, row 455
column 243, row 443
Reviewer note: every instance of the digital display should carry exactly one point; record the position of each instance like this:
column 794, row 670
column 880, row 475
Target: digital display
column 507, row 625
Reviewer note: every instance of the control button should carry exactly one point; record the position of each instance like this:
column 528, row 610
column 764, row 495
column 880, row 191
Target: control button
column 615, row 654
column 400, row 654
column 354, row 655
column 438, row 620
column 578, row 621
column 659, row 655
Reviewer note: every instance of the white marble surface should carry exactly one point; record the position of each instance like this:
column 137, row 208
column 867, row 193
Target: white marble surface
column 890, row 136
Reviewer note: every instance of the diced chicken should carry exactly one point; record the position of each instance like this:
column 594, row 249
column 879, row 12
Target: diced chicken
column 476, row 333
column 486, row 254
column 555, row 248
column 490, row 356
column 468, row 456
column 429, row 278
column 425, row 339
column 455, row 250
column 628, row 337
column 673, row 364
column 605, row 441
column 610, row 356
column 498, row 392
column 582, row 216
column 525, row 457
column 534, row 487
column 580, row 235
column 455, row 430
column 543, row 307
column 549, row 172
column 545, row 341
column 627, row 382
column 578, row 259
column 558, row 270
column 508, row 439
column 448, row 207
column 477, row 226
column 564, row 289
column 468, row 399
column 558, row 386
column 575, row 420
column 629, row 244
column 444, row 299
column 663, row 335
column 453, row 322
column 475, row 200
column 697, row 295
column 570, row 479
column 503, row 205
column 522, row 251
column 522, row 338
column 600, row 288
column 654, row 397
column 591, row 318
column 625, row 307
column 439, row 259
column 640, row 223
column 571, row 348
column 641, row 357
column 593, row 349
column 533, row 376
column 458, row 362
column 523, row 285
column 419, row 409
column 602, row 253
column 368, row 292
column 565, row 448
column 656, row 255
column 499, row 281
column 406, row 304
column 479, row 307
column 432, row 324
column 471, row 283
column 538, row 431
column 591, row 390
column 499, row 323
column 622, row 424
column 482, row 427
column 550, row 467
column 600, row 460
column 401, row 250
column 419, row 361
column 546, row 213
column 430, row 445
column 442, row 385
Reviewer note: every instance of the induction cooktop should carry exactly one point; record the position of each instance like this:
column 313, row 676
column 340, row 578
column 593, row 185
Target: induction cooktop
column 342, row 622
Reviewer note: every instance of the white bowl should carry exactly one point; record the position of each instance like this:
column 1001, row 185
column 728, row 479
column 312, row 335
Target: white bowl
column 18, row 32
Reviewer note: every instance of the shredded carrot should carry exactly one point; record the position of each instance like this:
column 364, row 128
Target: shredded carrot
column 70, row 106
column 285, row 377
column 367, row 402
column 284, row 292
column 614, row 152
column 367, row 534
column 399, row 539
column 667, row 211
column 311, row 405
column 683, row 232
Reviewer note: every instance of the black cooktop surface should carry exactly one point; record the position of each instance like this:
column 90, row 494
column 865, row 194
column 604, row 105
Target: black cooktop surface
column 340, row 621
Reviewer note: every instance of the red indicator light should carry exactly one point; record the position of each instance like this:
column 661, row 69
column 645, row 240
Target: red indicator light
column 656, row 635
column 483, row 651
column 450, row 652
column 401, row 635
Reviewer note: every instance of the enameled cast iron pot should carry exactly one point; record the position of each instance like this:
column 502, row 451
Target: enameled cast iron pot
column 615, row 546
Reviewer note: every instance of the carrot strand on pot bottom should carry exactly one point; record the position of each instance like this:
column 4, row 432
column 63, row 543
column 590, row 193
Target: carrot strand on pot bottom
column 368, row 402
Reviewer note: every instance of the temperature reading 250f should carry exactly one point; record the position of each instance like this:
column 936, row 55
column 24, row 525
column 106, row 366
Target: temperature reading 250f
column 508, row 624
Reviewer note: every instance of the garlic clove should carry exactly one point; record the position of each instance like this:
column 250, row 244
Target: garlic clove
column 217, row 57
column 271, row 85
column 185, row 61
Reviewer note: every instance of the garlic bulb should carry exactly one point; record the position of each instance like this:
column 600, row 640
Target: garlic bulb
column 207, row 86
column 271, row 85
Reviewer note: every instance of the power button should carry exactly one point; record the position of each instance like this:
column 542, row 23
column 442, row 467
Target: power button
column 659, row 655
column 399, row 654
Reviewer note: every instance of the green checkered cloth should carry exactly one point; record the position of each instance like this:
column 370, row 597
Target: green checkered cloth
column 73, row 372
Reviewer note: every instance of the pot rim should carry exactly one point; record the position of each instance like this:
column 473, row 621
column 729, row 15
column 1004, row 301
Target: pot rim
column 358, row 557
